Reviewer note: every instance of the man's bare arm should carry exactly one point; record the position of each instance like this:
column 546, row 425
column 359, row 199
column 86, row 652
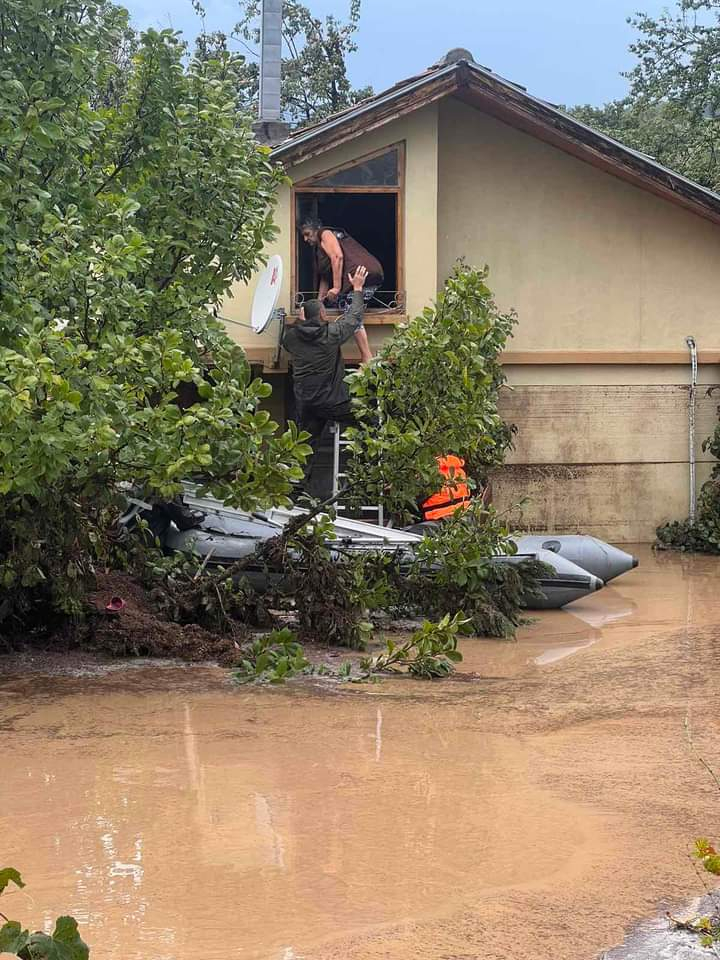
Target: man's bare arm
column 331, row 245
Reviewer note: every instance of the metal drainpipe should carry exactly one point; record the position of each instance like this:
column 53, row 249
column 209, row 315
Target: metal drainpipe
column 692, row 347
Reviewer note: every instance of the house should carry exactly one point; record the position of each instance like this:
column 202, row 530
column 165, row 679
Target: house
column 610, row 260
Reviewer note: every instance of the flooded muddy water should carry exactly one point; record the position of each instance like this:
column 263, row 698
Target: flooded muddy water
column 535, row 809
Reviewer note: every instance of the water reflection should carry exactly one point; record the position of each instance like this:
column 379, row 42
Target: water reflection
column 614, row 607
column 283, row 819
column 666, row 592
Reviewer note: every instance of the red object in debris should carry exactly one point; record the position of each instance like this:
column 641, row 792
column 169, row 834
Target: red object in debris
column 115, row 605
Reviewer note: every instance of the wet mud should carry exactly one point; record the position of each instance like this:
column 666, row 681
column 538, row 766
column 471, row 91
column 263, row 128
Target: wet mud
column 536, row 810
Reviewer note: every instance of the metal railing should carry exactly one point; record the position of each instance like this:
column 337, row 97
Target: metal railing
column 387, row 300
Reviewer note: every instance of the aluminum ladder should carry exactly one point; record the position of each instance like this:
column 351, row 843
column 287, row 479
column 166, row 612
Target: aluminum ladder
column 338, row 474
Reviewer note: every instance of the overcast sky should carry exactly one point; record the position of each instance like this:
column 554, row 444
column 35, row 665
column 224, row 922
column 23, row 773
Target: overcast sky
column 566, row 51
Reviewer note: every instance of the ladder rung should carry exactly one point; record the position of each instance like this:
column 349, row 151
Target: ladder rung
column 338, row 475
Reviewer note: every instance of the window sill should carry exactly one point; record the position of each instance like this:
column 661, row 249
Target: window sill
column 384, row 318
column 374, row 318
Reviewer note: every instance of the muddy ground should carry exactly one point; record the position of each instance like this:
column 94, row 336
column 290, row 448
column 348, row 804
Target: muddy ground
column 534, row 807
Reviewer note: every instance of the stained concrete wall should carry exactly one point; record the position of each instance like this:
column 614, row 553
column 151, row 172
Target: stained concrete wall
column 589, row 263
column 607, row 458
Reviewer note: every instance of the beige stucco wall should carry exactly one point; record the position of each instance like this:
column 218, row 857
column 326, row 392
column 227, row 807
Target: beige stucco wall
column 587, row 260
column 419, row 132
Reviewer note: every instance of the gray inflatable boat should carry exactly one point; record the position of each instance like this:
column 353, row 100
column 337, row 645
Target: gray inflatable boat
column 224, row 535
column 597, row 557
column 569, row 583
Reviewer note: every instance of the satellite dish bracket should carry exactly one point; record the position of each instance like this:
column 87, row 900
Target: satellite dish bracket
column 279, row 315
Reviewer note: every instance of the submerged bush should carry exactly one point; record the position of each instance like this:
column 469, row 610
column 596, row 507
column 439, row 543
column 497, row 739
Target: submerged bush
column 454, row 570
column 701, row 535
column 273, row 659
column 429, row 653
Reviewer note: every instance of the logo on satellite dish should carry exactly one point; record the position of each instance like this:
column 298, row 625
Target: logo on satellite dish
column 273, row 278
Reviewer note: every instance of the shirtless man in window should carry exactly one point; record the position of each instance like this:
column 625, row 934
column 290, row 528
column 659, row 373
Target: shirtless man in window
column 337, row 256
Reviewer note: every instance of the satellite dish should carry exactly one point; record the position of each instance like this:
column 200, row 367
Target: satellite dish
column 266, row 296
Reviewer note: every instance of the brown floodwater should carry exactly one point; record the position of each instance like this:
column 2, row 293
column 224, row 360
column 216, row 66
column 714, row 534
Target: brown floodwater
column 532, row 808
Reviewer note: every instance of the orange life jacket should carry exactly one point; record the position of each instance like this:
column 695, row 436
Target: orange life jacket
column 454, row 493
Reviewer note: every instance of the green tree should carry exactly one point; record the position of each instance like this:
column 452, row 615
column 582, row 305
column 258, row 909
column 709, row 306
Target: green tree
column 431, row 391
column 672, row 111
column 132, row 195
column 314, row 70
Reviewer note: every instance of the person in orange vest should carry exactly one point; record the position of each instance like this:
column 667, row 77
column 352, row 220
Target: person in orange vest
column 454, row 494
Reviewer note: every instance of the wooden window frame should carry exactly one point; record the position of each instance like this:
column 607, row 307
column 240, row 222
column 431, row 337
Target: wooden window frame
column 306, row 186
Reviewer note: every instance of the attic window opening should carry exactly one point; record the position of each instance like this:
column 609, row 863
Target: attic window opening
column 363, row 201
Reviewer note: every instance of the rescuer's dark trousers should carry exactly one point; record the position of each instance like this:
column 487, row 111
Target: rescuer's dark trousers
column 314, row 419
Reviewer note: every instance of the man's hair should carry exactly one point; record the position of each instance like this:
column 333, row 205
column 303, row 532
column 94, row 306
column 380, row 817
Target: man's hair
column 311, row 223
column 312, row 309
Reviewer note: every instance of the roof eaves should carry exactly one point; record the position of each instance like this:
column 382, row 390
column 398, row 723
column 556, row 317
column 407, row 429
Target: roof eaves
column 548, row 114
column 591, row 134
column 299, row 139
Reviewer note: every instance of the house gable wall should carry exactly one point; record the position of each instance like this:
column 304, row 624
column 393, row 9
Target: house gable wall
column 588, row 261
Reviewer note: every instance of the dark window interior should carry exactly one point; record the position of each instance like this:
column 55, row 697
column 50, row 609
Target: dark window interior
column 371, row 218
column 382, row 171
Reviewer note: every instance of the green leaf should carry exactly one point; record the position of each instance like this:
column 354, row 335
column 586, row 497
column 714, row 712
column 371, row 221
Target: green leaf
column 9, row 874
column 64, row 944
column 13, row 938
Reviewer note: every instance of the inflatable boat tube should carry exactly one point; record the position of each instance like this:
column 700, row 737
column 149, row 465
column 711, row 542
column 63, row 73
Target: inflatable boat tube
column 227, row 535
column 597, row 557
column 569, row 583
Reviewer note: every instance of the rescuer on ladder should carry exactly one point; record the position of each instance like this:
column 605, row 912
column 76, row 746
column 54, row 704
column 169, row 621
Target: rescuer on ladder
column 314, row 343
